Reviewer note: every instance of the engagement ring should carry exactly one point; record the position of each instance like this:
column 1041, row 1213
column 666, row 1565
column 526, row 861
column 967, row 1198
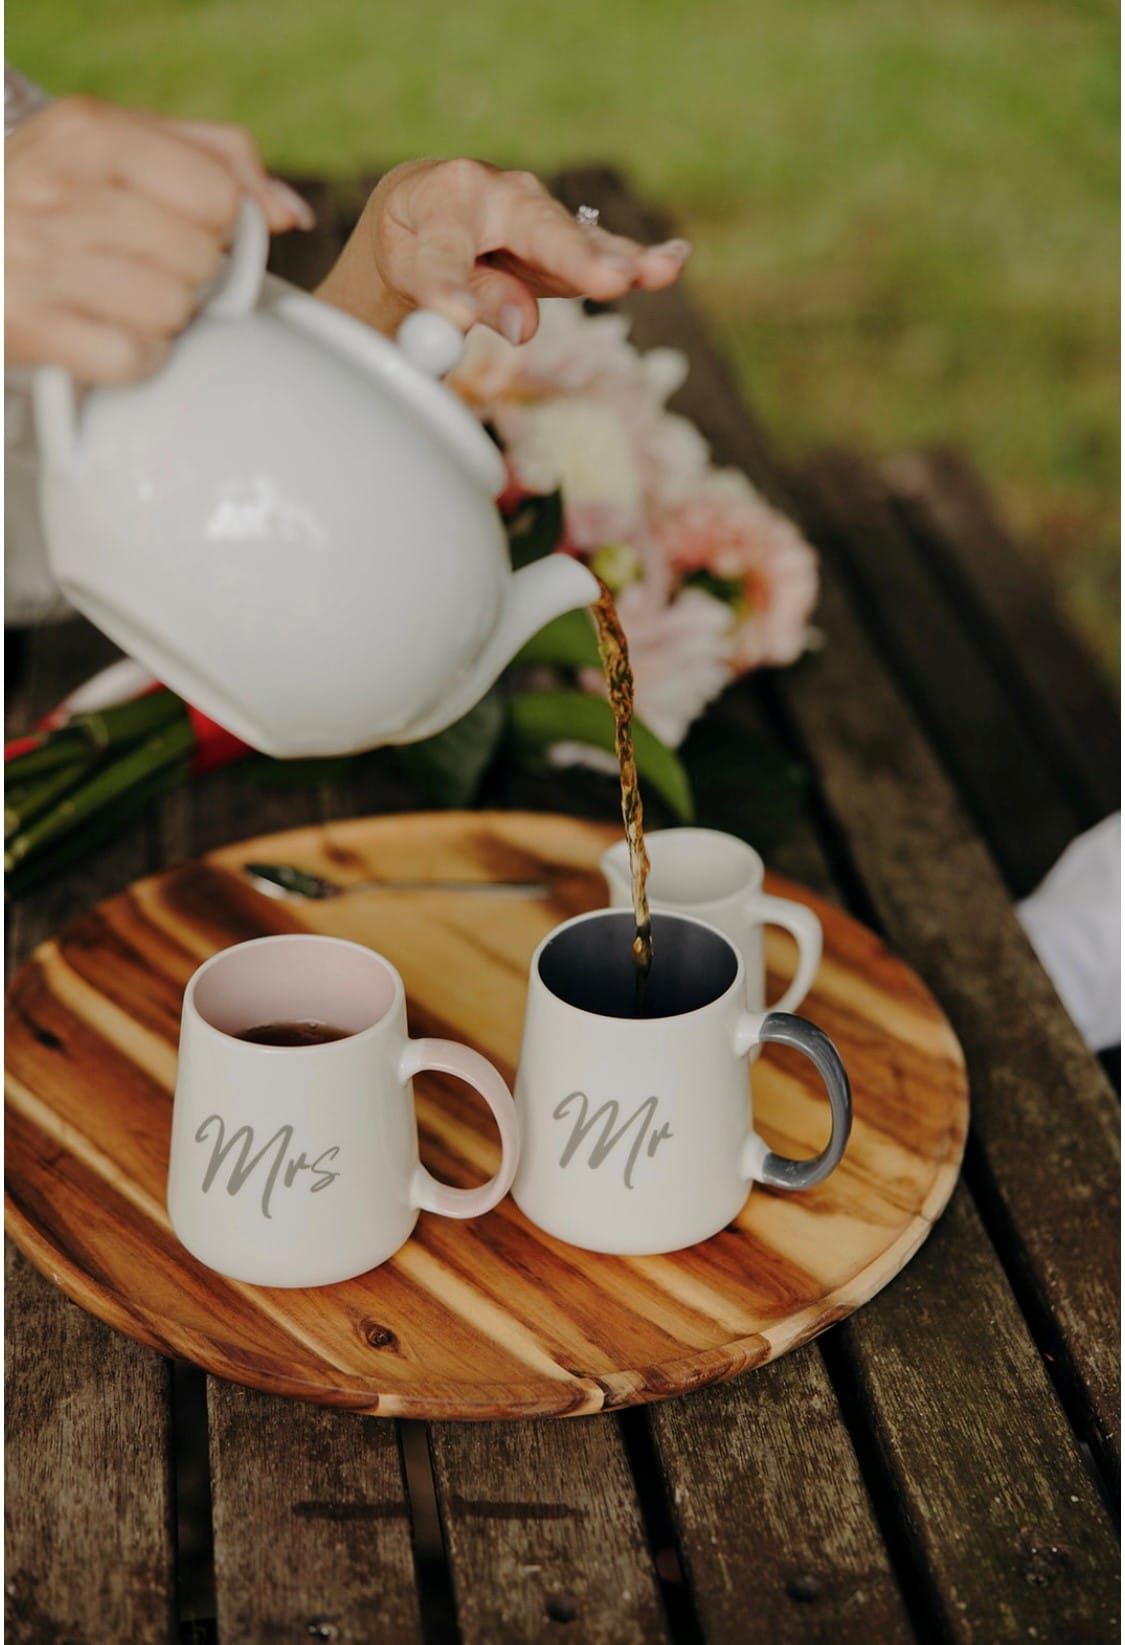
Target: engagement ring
column 588, row 216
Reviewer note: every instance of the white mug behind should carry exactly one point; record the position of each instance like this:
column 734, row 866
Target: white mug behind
column 714, row 877
column 637, row 1133
column 295, row 1165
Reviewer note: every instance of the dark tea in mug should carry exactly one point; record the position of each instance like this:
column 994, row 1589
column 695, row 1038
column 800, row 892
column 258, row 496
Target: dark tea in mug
column 293, row 1033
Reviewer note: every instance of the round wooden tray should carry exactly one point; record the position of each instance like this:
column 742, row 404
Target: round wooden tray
column 480, row 1319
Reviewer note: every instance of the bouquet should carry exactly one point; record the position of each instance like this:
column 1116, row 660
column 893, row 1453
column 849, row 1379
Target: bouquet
column 709, row 579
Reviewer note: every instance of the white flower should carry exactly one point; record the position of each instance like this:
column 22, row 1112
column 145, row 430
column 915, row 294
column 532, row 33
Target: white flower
column 581, row 360
column 578, row 445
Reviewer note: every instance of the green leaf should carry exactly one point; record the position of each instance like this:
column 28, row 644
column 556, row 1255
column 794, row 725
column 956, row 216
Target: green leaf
column 449, row 767
column 536, row 529
column 540, row 718
column 568, row 642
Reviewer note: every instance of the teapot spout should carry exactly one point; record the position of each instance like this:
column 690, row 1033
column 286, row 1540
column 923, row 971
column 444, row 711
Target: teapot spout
column 537, row 595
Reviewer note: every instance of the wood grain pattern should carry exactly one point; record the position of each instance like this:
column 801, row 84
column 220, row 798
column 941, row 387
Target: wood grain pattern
column 1011, row 1534
column 89, row 1536
column 945, row 670
column 807, row 1549
column 312, row 1524
column 552, row 1515
column 490, row 1318
column 1045, row 1121
column 1007, row 600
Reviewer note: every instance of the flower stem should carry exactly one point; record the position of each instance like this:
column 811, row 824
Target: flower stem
column 20, row 807
column 61, row 748
column 107, row 783
column 126, row 722
column 86, row 734
column 105, row 825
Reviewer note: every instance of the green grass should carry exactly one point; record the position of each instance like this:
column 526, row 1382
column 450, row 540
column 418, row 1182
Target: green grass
column 905, row 217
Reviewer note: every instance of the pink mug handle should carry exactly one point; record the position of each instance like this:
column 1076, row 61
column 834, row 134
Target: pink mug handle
column 447, row 1057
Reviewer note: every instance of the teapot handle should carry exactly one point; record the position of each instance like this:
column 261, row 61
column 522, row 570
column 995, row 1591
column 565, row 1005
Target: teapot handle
column 53, row 399
column 235, row 290
column 232, row 294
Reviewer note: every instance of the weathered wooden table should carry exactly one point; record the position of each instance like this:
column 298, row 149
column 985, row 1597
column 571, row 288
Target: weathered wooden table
column 941, row 1466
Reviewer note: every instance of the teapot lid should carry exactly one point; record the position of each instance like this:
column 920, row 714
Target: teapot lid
column 403, row 371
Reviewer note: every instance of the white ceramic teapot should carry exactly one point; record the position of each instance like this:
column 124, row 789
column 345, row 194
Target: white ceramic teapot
column 292, row 523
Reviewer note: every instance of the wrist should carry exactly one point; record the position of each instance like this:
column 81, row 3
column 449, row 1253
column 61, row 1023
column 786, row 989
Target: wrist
column 355, row 285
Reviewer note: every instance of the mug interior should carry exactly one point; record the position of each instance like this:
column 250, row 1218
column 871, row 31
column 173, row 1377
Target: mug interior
column 295, row 979
column 589, row 965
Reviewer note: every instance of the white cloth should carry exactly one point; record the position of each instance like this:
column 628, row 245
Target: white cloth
column 1074, row 922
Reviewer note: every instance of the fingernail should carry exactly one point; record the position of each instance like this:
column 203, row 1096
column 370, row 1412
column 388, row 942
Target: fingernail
column 672, row 248
column 511, row 324
column 293, row 202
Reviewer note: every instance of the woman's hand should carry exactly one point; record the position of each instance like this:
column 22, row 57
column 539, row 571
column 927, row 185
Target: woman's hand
column 475, row 244
column 114, row 219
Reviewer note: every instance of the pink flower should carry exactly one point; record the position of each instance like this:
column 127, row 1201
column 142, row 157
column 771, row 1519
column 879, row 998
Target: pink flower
column 578, row 408
column 710, row 580
column 728, row 539
column 680, row 655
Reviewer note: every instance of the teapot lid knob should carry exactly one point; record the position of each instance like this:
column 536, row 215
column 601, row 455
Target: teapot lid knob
column 430, row 342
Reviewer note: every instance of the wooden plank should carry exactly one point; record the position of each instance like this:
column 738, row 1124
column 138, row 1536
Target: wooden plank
column 1008, row 601
column 1014, row 1542
column 88, row 1545
column 543, row 1528
column 773, row 1515
column 311, row 1523
column 89, row 1492
column 987, row 742
column 1044, row 1116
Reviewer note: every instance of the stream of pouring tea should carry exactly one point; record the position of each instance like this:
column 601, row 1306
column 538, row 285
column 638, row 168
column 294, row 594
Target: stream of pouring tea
column 614, row 653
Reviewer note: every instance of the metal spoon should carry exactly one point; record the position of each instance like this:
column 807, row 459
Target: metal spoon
column 279, row 879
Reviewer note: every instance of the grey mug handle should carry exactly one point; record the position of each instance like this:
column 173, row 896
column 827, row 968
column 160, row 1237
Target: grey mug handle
column 759, row 1163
